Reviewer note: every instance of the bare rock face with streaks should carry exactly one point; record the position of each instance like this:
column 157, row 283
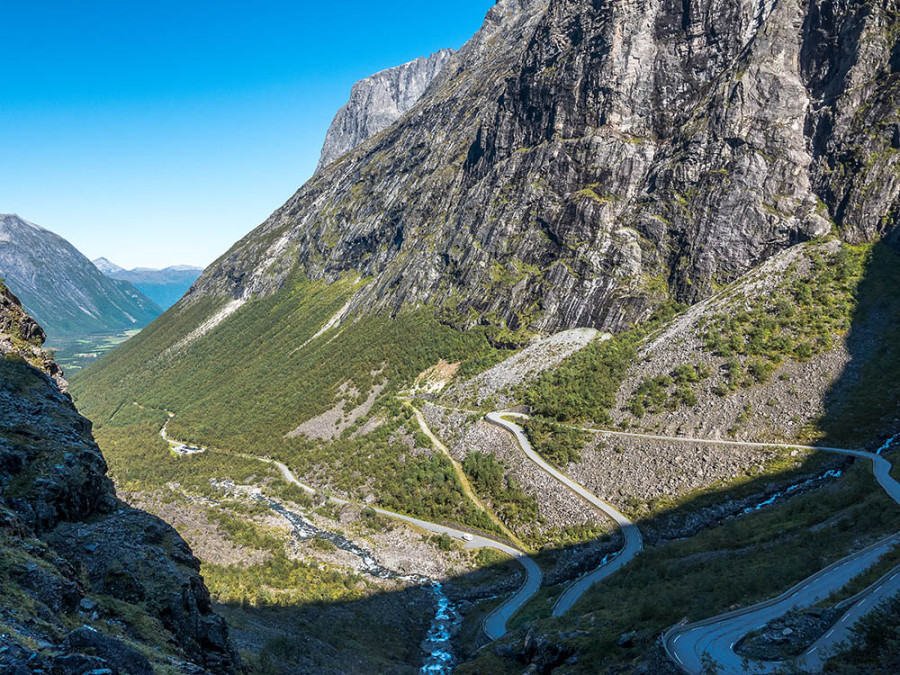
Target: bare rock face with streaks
column 377, row 102
column 577, row 163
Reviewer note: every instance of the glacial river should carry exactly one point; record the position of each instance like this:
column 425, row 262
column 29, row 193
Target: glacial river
column 439, row 658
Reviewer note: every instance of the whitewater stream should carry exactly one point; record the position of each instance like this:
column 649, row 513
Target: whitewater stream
column 437, row 647
column 809, row 483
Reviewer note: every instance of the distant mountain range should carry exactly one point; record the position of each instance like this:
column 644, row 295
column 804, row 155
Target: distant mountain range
column 165, row 287
column 62, row 289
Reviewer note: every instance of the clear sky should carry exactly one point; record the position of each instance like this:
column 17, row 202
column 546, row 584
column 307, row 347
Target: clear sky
column 159, row 133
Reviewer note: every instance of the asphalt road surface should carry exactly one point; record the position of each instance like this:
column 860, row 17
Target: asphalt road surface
column 634, row 542
column 716, row 638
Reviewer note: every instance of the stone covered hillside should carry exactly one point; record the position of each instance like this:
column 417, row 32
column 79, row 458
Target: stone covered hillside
column 87, row 584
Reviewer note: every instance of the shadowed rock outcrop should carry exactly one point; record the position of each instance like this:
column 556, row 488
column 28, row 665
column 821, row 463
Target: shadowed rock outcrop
column 71, row 553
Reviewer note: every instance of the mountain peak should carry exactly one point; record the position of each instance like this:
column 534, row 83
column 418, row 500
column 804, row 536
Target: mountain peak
column 60, row 287
column 10, row 220
column 105, row 266
column 378, row 101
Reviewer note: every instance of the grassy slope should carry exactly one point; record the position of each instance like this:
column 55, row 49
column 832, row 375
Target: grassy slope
column 243, row 386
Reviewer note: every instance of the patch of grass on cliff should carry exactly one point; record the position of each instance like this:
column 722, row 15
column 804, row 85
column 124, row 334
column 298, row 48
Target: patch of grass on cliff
column 559, row 443
column 653, row 394
column 244, row 533
column 583, row 387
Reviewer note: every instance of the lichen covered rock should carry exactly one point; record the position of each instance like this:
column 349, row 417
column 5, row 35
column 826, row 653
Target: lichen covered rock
column 71, row 553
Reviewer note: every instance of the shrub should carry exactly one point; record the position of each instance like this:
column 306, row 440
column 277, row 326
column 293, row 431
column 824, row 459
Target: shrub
column 560, row 444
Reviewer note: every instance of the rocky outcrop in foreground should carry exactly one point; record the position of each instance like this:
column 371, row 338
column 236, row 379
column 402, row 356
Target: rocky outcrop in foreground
column 87, row 584
column 377, row 102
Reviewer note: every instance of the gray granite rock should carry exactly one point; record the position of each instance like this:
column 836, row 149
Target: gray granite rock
column 579, row 162
column 377, row 102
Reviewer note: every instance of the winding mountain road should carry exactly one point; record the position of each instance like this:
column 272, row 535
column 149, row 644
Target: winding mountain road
column 634, row 542
column 494, row 624
column 715, row 638
column 688, row 645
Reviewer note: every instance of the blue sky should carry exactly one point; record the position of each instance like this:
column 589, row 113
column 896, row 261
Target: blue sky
column 160, row 133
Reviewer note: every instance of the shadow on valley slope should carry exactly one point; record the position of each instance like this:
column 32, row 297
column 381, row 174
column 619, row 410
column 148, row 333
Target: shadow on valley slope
column 725, row 553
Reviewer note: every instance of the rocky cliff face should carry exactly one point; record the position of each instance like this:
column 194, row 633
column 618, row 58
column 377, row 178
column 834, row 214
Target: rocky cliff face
column 578, row 162
column 377, row 102
column 64, row 291
column 86, row 582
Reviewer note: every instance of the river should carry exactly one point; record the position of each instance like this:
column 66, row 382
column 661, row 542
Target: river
column 437, row 646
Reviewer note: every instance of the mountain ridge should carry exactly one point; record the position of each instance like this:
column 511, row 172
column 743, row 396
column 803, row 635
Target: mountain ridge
column 522, row 203
column 377, row 102
column 67, row 294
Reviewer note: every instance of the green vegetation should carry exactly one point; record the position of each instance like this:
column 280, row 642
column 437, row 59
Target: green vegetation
column 802, row 318
column 140, row 461
column 513, row 505
column 729, row 566
column 443, row 542
column 583, row 388
column 559, row 443
column 653, row 394
column 244, row 533
column 380, row 463
column 488, row 557
column 874, row 646
column 281, row 581
column 75, row 355
column 254, row 378
column 863, row 406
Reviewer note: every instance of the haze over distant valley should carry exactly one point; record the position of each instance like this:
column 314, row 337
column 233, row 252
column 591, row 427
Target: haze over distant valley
column 164, row 287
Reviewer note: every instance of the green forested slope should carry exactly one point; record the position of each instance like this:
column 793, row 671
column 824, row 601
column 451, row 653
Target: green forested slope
column 248, row 382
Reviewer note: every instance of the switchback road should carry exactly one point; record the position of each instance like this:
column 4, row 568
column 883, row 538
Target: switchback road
column 715, row 639
column 634, row 542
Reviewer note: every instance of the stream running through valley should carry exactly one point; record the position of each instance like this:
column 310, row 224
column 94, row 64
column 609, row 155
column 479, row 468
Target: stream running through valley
column 437, row 646
column 805, row 485
column 796, row 487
